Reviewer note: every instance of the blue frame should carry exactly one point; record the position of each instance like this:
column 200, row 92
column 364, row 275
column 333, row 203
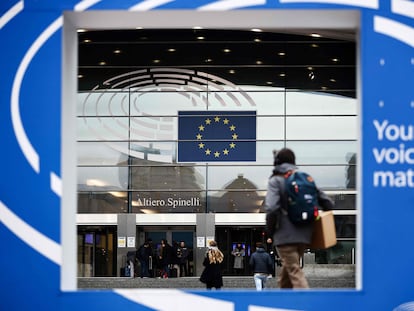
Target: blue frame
column 37, row 191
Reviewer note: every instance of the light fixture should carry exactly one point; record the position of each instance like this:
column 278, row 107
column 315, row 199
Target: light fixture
column 117, row 51
column 102, row 63
column 281, row 54
column 315, row 35
column 171, row 50
column 311, row 75
column 200, row 38
column 256, row 30
column 226, row 50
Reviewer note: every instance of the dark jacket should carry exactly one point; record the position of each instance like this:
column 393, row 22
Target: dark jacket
column 144, row 252
column 212, row 273
column 286, row 232
column 261, row 262
column 166, row 255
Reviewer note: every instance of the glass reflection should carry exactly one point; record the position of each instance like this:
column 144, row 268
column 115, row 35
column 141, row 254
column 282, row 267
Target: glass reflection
column 112, row 202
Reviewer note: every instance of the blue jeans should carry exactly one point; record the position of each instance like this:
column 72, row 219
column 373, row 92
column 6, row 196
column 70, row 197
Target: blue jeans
column 260, row 280
column 144, row 268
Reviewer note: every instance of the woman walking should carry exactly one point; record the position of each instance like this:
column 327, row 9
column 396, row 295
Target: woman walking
column 212, row 275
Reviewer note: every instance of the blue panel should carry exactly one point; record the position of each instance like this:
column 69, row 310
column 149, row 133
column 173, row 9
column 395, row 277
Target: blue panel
column 216, row 136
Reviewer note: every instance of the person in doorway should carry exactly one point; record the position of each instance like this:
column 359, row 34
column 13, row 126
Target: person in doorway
column 290, row 240
column 182, row 254
column 165, row 253
column 143, row 254
column 271, row 249
column 238, row 254
column 212, row 274
column 175, row 260
column 262, row 266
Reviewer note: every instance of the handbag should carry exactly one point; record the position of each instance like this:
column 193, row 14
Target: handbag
column 203, row 276
column 324, row 232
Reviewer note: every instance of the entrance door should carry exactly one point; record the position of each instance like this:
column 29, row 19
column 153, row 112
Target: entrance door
column 96, row 252
column 172, row 235
column 229, row 237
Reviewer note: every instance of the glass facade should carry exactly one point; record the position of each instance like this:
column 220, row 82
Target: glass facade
column 302, row 90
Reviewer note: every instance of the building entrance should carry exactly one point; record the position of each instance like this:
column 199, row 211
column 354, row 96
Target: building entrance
column 174, row 236
column 96, row 251
column 229, row 237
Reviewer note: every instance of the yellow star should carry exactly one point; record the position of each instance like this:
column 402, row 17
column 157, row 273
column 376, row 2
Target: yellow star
column 199, row 136
column 232, row 127
column 232, row 145
column 216, row 154
column 217, row 119
column 208, row 152
column 226, row 121
column 201, row 128
column 208, row 121
column 235, row 136
column 226, row 151
column 201, row 145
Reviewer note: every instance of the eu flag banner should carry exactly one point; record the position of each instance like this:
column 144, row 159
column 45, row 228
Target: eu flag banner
column 216, row 136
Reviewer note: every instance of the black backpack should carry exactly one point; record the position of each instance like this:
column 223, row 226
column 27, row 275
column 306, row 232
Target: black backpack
column 302, row 197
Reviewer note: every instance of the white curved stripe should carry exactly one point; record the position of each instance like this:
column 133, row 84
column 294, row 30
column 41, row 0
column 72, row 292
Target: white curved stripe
column 10, row 14
column 148, row 5
column 408, row 306
column 177, row 300
column 56, row 184
column 396, row 30
column 372, row 4
column 42, row 244
column 222, row 5
column 83, row 5
column 31, row 155
column 403, row 7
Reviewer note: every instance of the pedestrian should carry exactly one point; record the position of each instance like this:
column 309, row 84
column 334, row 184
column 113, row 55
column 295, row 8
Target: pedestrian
column 290, row 240
column 165, row 254
column 262, row 266
column 238, row 253
column 182, row 254
column 143, row 254
column 175, row 260
column 212, row 274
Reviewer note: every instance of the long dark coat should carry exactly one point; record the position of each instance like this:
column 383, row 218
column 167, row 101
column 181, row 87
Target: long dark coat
column 212, row 273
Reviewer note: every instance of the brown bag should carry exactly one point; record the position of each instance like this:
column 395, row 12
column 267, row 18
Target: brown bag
column 324, row 232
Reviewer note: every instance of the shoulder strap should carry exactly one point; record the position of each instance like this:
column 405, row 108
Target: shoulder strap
column 282, row 190
column 289, row 173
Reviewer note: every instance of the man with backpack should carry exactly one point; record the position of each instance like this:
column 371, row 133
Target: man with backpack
column 292, row 203
column 144, row 254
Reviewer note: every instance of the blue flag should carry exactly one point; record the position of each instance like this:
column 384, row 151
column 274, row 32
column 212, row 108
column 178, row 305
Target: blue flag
column 216, row 136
